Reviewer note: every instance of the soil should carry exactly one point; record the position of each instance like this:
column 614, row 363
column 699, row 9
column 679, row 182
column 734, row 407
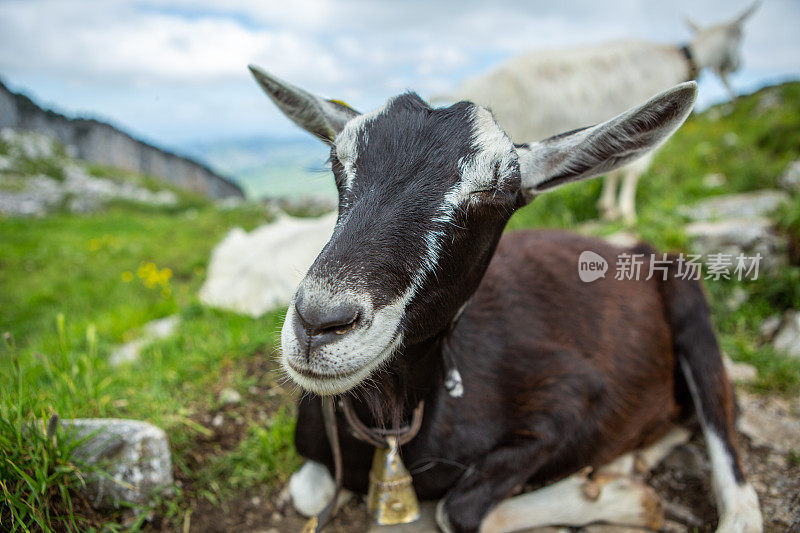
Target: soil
column 682, row 480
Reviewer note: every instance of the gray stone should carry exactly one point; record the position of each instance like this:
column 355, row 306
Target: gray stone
column 133, row 453
column 749, row 236
column 689, row 460
column 740, row 372
column 623, row 239
column 770, row 326
column 745, row 205
column 737, row 298
column 790, row 179
column 714, row 181
column 787, row 338
column 129, row 352
column 769, row 422
column 229, row 396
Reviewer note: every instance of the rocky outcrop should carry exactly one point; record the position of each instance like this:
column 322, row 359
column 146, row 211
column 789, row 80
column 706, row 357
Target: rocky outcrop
column 99, row 142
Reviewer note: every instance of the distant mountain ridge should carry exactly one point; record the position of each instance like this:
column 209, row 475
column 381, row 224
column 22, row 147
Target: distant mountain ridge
column 271, row 167
column 99, row 142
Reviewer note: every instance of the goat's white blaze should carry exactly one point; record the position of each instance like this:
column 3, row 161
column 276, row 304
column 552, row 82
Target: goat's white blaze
column 488, row 166
column 347, row 141
column 737, row 503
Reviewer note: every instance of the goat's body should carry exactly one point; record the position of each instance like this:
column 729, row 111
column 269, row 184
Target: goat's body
column 542, row 359
column 558, row 374
column 543, row 93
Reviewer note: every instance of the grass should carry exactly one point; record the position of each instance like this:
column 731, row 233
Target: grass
column 74, row 286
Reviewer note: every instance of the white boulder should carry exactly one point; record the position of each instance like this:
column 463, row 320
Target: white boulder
column 252, row 273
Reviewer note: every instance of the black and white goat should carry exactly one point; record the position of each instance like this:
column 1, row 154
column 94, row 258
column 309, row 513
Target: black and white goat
column 558, row 374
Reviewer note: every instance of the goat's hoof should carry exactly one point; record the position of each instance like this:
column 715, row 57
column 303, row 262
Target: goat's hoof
column 743, row 514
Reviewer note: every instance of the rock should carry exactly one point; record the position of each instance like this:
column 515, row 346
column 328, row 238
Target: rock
column 790, row 179
column 739, row 372
column 769, row 326
column 623, row 239
column 689, row 460
column 129, row 352
column 749, row 236
column 787, row 338
column 229, row 396
column 714, row 181
column 745, row 205
column 133, row 453
column 252, row 273
column 737, row 298
column 769, row 422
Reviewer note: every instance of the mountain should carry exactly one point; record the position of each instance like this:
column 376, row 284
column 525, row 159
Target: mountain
column 98, row 142
column 270, row 166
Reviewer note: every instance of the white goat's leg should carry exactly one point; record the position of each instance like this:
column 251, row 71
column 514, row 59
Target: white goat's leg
column 627, row 196
column 617, row 500
column 627, row 192
column 606, row 205
column 634, row 504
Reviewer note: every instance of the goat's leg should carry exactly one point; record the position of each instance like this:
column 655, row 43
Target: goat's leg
column 699, row 356
column 487, row 483
column 577, row 501
column 627, row 192
column 606, row 205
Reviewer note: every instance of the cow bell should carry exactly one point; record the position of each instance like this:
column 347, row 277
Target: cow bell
column 391, row 498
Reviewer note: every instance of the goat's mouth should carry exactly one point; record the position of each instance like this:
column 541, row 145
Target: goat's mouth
column 321, row 376
column 337, row 381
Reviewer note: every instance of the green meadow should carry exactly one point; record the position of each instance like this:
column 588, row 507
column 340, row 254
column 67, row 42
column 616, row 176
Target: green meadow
column 74, row 286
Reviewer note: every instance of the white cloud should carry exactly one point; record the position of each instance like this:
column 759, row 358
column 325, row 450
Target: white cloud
column 174, row 68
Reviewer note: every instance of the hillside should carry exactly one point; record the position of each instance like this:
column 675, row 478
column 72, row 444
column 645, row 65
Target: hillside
column 76, row 285
column 267, row 167
column 98, row 142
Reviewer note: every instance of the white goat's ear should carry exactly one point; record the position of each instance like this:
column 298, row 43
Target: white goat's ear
column 592, row 151
column 748, row 12
column 324, row 118
column 692, row 25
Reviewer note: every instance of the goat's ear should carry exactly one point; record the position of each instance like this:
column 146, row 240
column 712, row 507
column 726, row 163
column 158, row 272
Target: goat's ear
column 748, row 12
column 324, row 118
column 593, row 151
column 692, row 25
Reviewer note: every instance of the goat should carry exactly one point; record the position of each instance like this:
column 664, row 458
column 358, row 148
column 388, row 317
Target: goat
column 557, row 374
column 542, row 93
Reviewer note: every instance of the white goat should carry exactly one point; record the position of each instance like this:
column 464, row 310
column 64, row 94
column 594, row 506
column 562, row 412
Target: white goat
column 539, row 94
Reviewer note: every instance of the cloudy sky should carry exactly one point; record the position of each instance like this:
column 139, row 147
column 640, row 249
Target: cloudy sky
column 174, row 71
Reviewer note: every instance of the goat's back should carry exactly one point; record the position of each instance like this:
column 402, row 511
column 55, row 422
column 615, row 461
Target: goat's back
column 535, row 345
column 543, row 93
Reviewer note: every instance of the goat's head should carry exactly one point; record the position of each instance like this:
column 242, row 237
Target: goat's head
column 718, row 47
column 424, row 195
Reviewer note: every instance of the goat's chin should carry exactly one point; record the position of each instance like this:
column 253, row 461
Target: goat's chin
column 325, row 384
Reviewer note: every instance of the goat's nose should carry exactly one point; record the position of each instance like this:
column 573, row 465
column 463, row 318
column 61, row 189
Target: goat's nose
column 323, row 322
